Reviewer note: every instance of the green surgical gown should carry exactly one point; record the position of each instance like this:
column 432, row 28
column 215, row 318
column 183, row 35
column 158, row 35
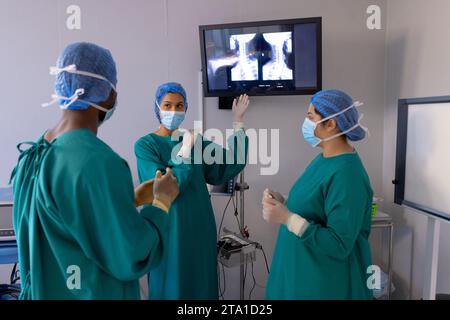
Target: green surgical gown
column 330, row 260
column 189, row 265
column 78, row 232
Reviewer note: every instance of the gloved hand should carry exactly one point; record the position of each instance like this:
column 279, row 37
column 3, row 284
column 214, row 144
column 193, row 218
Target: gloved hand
column 143, row 194
column 270, row 194
column 240, row 106
column 165, row 190
column 275, row 212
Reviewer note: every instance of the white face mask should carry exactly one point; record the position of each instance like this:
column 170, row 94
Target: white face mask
column 79, row 92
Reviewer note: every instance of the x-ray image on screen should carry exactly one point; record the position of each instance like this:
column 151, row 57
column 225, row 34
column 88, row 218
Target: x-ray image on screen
column 281, row 46
column 270, row 50
column 247, row 67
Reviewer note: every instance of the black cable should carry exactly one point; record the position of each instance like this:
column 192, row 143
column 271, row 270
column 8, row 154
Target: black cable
column 265, row 259
column 223, row 216
column 13, row 278
column 260, row 247
column 221, row 293
column 12, row 291
column 218, row 274
column 236, row 213
column 224, row 281
column 235, row 208
column 254, row 284
column 17, row 276
column 218, row 279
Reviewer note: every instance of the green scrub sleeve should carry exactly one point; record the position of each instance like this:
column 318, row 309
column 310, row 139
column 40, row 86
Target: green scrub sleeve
column 148, row 162
column 101, row 216
column 345, row 207
column 232, row 162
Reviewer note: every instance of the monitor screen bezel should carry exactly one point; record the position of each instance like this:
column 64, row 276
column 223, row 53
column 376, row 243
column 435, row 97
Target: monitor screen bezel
column 228, row 93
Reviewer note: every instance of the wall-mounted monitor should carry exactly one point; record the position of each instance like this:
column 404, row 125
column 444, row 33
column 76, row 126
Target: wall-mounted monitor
column 281, row 57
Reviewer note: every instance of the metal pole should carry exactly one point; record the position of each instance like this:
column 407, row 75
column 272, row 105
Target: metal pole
column 391, row 240
column 432, row 259
column 242, row 221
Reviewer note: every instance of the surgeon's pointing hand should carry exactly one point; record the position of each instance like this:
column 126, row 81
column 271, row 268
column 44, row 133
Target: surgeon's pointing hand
column 165, row 190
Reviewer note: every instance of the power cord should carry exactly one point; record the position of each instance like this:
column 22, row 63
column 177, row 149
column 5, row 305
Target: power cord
column 265, row 258
column 221, row 293
column 254, row 284
column 220, row 268
column 14, row 275
column 9, row 292
column 223, row 216
column 260, row 247
column 245, row 276
column 236, row 213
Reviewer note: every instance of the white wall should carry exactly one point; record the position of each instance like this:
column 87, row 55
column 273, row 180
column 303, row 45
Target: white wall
column 157, row 41
column 418, row 56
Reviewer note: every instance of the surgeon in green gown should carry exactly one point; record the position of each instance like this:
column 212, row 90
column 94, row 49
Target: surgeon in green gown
column 323, row 250
column 78, row 231
column 189, row 265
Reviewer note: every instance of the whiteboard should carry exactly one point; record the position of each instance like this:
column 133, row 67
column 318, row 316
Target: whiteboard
column 427, row 160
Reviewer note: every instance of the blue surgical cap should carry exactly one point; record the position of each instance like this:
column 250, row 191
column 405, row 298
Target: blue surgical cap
column 330, row 102
column 164, row 89
column 91, row 58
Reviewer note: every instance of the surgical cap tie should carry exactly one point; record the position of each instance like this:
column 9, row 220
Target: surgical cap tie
column 54, row 71
column 72, row 99
column 358, row 124
column 349, row 130
column 354, row 105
